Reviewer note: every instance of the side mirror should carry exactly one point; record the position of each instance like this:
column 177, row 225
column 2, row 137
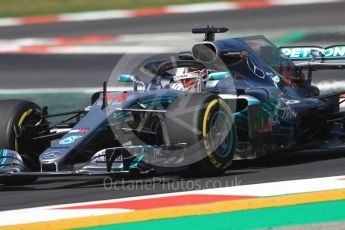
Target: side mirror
column 130, row 78
column 126, row 78
column 219, row 75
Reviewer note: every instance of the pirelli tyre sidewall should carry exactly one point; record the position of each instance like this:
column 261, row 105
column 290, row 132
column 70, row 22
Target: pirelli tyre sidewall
column 16, row 113
column 205, row 123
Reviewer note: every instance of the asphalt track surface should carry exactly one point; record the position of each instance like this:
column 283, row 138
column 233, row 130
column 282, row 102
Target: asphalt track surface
column 55, row 71
column 64, row 71
column 266, row 18
column 269, row 169
column 28, row 71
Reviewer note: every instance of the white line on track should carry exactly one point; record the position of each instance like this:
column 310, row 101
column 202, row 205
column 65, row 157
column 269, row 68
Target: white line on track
column 174, row 9
column 46, row 213
column 76, row 90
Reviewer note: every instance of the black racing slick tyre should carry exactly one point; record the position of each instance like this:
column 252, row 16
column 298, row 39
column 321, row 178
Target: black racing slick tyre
column 204, row 122
column 16, row 113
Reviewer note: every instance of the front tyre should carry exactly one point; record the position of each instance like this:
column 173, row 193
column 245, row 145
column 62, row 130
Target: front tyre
column 205, row 123
column 19, row 113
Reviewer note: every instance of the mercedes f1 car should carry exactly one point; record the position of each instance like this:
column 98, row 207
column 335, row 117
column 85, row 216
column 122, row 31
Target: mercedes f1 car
column 232, row 98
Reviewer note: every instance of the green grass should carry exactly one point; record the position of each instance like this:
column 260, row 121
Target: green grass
column 56, row 102
column 15, row 8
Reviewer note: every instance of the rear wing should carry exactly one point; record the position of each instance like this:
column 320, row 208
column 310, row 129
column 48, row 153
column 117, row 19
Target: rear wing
column 315, row 57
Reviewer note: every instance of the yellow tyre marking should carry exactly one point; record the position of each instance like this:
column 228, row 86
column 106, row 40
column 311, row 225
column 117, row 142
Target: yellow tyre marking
column 207, row 112
column 20, row 122
column 188, row 210
column 204, row 131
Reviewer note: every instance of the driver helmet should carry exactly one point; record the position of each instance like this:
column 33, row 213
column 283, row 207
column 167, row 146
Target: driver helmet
column 187, row 79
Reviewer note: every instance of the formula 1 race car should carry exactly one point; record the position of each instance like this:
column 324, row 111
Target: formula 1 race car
column 233, row 98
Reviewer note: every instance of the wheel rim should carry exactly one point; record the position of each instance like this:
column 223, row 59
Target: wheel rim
column 220, row 134
column 28, row 118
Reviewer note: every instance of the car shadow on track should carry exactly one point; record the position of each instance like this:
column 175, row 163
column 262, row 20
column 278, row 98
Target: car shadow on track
column 287, row 159
column 101, row 182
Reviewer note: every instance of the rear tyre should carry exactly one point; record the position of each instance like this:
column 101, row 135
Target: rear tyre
column 16, row 113
column 205, row 123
